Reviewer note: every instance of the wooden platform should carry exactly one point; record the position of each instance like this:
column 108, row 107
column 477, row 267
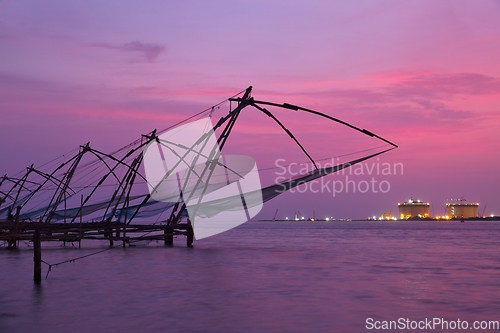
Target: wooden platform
column 13, row 232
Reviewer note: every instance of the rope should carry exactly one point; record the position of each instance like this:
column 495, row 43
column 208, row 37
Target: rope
column 88, row 255
column 326, row 158
column 71, row 260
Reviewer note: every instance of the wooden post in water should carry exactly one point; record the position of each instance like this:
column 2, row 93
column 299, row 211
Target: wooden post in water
column 14, row 230
column 189, row 234
column 168, row 236
column 37, row 255
column 64, row 242
column 110, row 228
column 18, row 212
column 124, row 232
column 81, row 217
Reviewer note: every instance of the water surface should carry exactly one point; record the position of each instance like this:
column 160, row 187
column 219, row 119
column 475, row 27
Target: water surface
column 261, row 277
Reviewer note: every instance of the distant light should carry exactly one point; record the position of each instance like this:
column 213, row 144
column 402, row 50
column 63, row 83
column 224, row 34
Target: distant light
column 327, row 219
column 491, row 215
column 302, row 217
column 374, row 217
column 286, row 218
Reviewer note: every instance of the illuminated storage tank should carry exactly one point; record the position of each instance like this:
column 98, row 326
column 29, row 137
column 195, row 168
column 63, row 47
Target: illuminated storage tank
column 413, row 208
column 460, row 210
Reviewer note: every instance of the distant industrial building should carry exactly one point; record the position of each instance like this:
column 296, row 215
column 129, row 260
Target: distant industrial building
column 461, row 210
column 413, row 208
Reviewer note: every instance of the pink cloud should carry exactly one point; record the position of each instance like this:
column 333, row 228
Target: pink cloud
column 149, row 51
column 442, row 85
column 424, row 99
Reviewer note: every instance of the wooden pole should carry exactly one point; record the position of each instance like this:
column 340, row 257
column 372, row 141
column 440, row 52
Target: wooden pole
column 124, row 232
column 168, row 234
column 110, row 233
column 64, row 242
column 14, row 231
column 125, row 224
column 81, row 217
column 18, row 212
column 189, row 234
column 37, row 256
column 117, row 231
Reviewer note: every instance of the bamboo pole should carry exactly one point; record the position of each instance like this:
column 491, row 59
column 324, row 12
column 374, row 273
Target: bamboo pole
column 168, row 236
column 37, row 255
column 14, row 231
column 81, row 217
column 64, row 243
column 189, row 234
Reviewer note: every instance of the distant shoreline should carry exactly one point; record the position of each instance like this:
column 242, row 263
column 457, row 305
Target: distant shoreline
column 477, row 219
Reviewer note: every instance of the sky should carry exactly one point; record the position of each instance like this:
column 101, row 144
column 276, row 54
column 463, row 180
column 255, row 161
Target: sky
column 422, row 74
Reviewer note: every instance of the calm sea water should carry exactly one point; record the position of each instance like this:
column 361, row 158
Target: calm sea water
column 262, row 277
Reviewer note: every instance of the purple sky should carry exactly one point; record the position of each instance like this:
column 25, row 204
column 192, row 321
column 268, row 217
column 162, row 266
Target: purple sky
column 423, row 74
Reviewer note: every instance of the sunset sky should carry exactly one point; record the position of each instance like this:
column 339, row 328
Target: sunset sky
column 422, row 74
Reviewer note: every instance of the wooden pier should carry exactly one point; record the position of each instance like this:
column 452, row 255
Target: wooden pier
column 13, row 232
